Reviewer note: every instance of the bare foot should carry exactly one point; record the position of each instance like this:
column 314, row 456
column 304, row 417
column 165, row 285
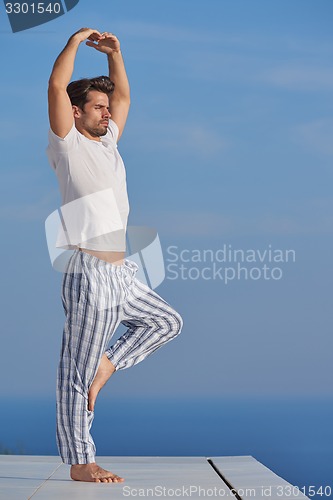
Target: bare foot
column 94, row 474
column 104, row 372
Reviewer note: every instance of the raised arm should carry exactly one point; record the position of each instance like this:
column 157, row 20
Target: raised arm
column 60, row 107
column 120, row 98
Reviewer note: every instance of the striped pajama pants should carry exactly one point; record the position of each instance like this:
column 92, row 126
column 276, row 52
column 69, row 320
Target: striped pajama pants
column 97, row 296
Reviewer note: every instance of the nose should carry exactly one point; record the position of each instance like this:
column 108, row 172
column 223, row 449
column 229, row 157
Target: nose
column 106, row 114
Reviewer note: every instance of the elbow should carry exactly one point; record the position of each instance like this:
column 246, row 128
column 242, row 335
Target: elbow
column 54, row 85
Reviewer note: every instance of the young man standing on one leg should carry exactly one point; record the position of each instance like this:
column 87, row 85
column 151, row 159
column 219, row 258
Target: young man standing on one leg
column 99, row 288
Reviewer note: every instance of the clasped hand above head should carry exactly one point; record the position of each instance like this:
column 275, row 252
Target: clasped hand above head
column 103, row 42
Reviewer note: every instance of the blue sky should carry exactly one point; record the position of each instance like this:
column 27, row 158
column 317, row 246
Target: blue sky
column 228, row 142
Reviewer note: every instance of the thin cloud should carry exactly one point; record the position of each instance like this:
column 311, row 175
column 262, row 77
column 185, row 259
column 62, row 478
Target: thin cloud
column 315, row 217
column 171, row 33
column 38, row 210
column 317, row 135
column 180, row 138
column 303, row 77
column 141, row 30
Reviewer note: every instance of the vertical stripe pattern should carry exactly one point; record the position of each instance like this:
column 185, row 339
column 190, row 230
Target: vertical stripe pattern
column 97, row 296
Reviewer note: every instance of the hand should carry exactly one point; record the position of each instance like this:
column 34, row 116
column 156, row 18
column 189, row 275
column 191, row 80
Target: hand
column 87, row 34
column 108, row 43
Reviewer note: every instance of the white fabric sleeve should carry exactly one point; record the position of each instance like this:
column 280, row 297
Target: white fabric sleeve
column 114, row 130
column 63, row 144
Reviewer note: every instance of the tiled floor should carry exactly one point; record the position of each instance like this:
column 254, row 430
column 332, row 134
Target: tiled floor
column 46, row 478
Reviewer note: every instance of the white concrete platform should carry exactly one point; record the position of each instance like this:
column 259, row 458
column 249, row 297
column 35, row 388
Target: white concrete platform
column 47, row 478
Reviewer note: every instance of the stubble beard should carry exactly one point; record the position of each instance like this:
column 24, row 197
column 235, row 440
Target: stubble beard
column 97, row 131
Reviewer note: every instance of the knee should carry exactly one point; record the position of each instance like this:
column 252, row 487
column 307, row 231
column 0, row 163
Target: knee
column 175, row 324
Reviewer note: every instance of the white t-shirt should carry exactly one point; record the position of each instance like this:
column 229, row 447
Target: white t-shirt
column 92, row 182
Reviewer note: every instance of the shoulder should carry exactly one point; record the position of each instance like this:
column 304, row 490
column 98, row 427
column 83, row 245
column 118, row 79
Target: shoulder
column 63, row 144
column 113, row 131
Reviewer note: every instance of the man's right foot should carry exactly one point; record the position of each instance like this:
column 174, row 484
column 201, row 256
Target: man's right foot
column 94, row 474
column 104, row 372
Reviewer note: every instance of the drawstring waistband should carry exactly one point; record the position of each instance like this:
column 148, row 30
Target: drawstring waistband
column 93, row 261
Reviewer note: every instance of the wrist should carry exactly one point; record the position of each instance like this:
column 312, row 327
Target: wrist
column 114, row 53
column 75, row 39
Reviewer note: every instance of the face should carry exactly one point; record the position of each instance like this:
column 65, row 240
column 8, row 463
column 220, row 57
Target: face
column 94, row 118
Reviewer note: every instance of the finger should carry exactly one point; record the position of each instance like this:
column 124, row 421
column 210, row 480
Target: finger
column 92, row 44
column 108, row 34
column 94, row 36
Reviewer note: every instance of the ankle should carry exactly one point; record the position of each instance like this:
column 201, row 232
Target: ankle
column 81, row 466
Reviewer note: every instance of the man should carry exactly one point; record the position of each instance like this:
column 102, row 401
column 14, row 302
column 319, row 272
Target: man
column 99, row 289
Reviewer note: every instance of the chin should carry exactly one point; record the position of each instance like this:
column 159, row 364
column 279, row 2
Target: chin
column 103, row 132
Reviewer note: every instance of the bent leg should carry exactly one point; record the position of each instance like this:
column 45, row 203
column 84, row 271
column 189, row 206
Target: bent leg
column 151, row 323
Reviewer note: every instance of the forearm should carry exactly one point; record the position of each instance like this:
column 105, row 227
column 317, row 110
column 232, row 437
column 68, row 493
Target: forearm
column 64, row 65
column 117, row 74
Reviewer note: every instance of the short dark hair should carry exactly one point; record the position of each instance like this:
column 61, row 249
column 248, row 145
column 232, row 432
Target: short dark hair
column 79, row 89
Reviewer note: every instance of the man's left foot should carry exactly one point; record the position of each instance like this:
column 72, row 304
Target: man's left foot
column 104, row 372
column 93, row 473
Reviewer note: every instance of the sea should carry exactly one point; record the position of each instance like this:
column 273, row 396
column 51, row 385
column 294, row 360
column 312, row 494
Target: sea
column 291, row 436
